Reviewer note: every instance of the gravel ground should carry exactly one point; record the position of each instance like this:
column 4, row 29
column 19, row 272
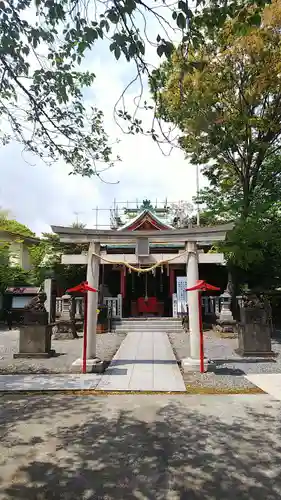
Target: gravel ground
column 67, row 351
column 230, row 370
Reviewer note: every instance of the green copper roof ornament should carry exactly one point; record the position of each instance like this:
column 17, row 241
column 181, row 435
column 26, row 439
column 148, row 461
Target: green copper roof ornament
column 146, row 205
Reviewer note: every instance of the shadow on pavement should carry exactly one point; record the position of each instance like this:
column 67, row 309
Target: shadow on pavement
column 91, row 449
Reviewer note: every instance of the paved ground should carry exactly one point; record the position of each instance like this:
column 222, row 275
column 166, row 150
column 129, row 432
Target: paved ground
column 230, row 370
column 67, row 352
column 144, row 362
column 140, row 447
column 270, row 383
column 49, row 382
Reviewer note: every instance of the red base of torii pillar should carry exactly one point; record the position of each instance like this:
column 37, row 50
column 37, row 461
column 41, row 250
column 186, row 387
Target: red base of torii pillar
column 201, row 286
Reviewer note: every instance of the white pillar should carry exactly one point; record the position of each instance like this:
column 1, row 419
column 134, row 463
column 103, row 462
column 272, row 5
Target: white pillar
column 93, row 281
column 193, row 362
column 93, row 364
column 48, row 292
column 192, row 300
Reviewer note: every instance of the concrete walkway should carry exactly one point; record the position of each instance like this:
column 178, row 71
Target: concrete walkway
column 144, row 362
column 268, row 382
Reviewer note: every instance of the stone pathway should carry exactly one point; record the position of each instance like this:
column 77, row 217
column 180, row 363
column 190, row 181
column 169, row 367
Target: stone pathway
column 144, row 362
column 269, row 382
column 49, row 382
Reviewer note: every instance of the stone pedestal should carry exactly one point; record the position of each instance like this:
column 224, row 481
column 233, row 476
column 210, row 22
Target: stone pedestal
column 93, row 365
column 35, row 342
column 254, row 333
column 193, row 365
column 226, row 326
column 64, row 330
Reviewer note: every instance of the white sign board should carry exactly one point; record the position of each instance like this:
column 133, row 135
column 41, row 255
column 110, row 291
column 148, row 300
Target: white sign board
column 182, row 294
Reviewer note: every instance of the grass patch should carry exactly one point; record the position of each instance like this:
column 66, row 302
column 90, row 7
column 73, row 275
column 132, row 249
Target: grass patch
column 87, row 392
column 193, row 389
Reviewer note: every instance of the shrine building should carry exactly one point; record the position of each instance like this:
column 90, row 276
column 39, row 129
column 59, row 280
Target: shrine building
column 161, row 291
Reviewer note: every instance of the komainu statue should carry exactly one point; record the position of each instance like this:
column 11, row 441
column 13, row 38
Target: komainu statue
column 37, row 303
column 35, row 311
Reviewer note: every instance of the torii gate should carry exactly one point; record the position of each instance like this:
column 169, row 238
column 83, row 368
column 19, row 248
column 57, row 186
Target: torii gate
column 141, row 238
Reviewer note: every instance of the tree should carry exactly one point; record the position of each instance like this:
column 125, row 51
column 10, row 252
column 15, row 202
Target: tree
column 228, row 106
column 228, row 109
column 78, row 225
column 13, row 226
column 46, row 261
column 44, row 42
column 10, row 275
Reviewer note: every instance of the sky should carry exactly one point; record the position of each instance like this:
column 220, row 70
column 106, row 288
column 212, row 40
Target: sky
column 39, row 195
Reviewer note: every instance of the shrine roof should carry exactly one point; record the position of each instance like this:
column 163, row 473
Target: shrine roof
column 146, row 216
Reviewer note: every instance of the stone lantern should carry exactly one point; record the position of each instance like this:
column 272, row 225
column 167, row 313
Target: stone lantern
column 66, row 307
column 225, row 312
column 225, row 322
column 65, row 327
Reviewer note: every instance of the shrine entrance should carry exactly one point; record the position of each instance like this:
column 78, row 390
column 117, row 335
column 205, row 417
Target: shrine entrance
column 147, row 294
column 144, row 255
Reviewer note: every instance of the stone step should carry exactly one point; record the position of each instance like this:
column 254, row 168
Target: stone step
column 150, row 318
column 154, row 322
column 167, row 330
column 169, row 325
column 147, row 323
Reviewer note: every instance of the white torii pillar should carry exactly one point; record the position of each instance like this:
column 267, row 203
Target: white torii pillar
column 192, row 363
column 93, row 363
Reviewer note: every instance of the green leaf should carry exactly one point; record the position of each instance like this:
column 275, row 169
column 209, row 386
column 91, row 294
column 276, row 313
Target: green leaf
column 141, row 48
column 181, row 21
column 168, row 49
column 183, row 6
column 255, row 20
column 104, row 24
column 113, row 16
column 117, row 52
column 160, row 50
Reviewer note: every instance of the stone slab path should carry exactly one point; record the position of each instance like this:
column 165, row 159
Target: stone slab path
column 144, row 362
column 268, row 382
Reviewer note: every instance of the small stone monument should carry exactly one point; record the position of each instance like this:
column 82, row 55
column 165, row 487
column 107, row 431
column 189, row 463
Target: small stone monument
column 35, row 335
column 254, row 332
